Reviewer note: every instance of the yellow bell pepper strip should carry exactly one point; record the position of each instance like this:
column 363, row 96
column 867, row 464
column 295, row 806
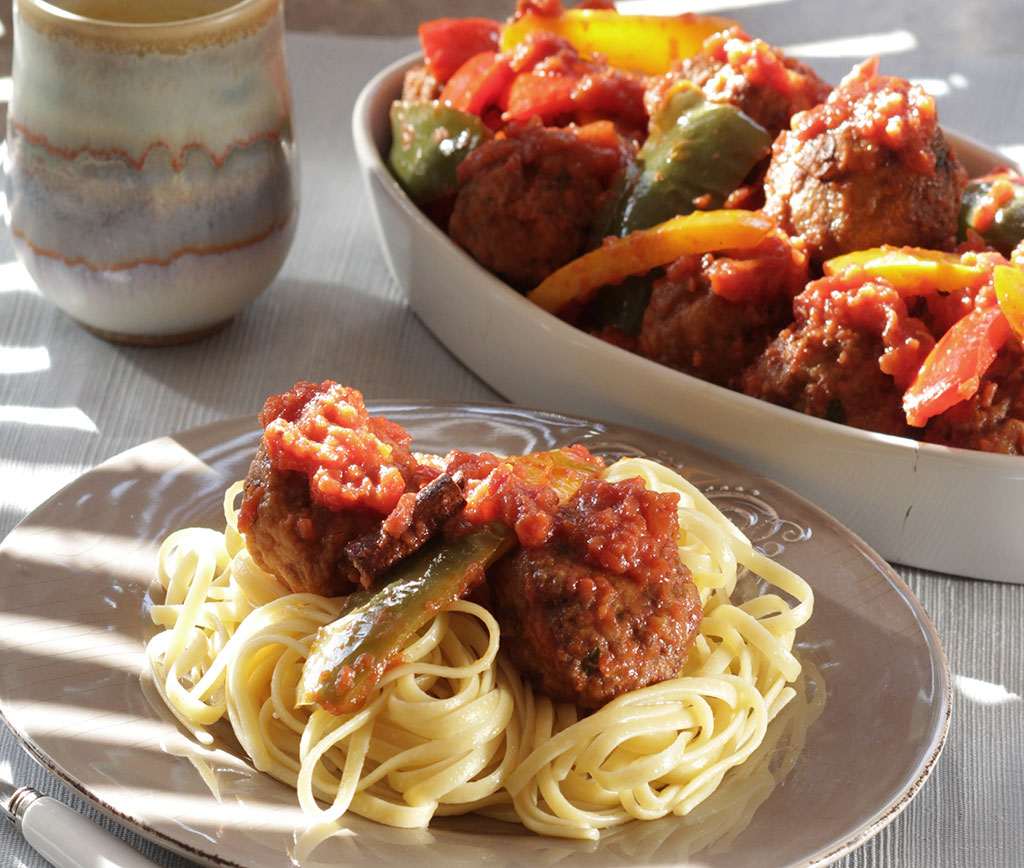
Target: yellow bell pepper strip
column 575, row 283
column 1008, row 281
column 642, row 43
column 911, row 270
column 952, row 371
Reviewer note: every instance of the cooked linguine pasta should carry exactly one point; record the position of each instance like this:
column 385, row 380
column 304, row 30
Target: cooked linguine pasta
column 453, row 728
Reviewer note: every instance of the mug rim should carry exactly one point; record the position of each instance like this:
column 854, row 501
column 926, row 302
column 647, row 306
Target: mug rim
column 54, row 12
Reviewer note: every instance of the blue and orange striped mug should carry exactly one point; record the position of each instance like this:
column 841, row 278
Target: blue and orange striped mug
column 150, row 166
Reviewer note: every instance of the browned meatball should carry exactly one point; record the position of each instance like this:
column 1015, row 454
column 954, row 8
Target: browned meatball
column 607, row 606
column 711, row 316
column 325, row 473
column 300, row 542
column 869, row 166
column 755, row 77
column 527, row 198
column 848, row 357
column 992, row 419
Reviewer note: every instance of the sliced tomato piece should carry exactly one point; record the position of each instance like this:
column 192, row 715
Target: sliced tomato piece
column 447, row 43
column 548, row 96
column 481, row 82
column 953, row 369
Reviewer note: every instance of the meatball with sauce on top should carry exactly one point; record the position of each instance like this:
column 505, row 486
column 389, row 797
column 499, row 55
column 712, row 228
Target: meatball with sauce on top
column 869, row 166
column 712, row 315
column 327, row 473
column 849, row 356
column 749, row 74
column 606, row 606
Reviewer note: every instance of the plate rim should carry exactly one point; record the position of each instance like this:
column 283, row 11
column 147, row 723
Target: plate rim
column 213, row 434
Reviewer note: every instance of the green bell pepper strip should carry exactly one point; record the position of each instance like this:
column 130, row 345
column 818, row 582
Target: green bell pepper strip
column 428, row 141
column 696, row 153
column 993, row 206
column 349, row 655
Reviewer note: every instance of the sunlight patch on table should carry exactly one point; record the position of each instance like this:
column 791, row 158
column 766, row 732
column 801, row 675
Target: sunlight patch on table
column 983, row 692
column 24, row 360
column 26, row 485
column 864, row 45
column 934, row 86
column 14, row 277
column 1014, row 153
column 72, row 418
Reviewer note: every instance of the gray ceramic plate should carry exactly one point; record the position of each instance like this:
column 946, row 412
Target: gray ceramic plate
column 75, row 578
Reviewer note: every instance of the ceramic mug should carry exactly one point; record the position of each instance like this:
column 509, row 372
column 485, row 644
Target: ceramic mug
column 150, row 166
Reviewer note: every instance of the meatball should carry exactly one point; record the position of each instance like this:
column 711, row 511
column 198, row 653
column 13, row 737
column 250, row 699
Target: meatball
column 711, row 316
column 606, row 606
column 325, row 474
column 749, row 74
column 992, row 419
column 527, row 198
column 869, row 166
column 295, row 539
column 849, row 356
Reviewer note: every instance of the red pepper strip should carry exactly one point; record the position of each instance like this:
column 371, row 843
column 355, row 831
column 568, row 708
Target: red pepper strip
column 481, row 82
column 953, row 369
column 548, row 96
column 1008, row 281
column 447, row 43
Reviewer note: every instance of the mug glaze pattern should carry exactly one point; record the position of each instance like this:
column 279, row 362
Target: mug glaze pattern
column 151, row 169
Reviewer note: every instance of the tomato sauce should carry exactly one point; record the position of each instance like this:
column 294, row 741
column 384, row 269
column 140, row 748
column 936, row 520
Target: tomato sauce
column 352, row 460
column 522, row 492
column 885, row 111
column 874, row 307
column 762, row 65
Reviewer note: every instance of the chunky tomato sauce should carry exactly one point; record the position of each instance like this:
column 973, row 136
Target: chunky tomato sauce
column 874, row 307
column 522, row 492
column 624, row 528
column 762, row 65
column 352, row 460
column 885, row 111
